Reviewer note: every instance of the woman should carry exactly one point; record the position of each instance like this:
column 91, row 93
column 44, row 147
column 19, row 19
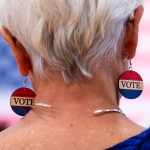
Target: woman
column 74, row 52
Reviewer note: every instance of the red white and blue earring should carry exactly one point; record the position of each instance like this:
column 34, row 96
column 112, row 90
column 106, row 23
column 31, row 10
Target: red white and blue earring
column 22, row 99
column 130, row 83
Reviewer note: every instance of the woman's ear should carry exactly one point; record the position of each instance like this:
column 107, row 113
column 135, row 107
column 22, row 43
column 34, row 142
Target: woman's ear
column 20, row 53
column 131, row 34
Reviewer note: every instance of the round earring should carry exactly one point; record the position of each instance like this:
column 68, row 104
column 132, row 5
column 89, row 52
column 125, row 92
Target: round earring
column 130, row 83
column 22, row 99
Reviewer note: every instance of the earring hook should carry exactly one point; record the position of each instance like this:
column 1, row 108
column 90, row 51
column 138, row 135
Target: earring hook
column 25, row 81
column 130, row 65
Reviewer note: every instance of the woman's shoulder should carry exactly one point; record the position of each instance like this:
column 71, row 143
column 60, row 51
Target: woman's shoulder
column 12, row 136
column 140, row 141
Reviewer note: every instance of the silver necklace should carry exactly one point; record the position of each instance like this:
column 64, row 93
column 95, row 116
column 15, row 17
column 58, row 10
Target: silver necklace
column 42, row 105
column 96, row 113
column 102, row 111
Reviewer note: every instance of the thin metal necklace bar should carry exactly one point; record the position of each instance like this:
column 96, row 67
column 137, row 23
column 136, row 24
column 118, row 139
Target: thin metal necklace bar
column 101, row 111
column 96, row 113
column 42, row 105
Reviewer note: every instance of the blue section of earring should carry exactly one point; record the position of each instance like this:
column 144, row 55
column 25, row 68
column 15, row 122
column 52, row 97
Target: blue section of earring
column 21, row 111
column 131, row 94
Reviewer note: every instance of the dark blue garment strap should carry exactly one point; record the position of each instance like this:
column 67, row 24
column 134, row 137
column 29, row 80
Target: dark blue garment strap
column 137, row 142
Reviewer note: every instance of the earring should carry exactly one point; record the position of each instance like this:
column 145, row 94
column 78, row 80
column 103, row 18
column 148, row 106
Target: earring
column 22, row 99
column 130, row 83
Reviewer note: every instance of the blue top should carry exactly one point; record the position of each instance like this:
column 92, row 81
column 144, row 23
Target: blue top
column 137, row 142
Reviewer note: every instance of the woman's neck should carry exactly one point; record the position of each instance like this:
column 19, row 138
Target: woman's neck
column 101, row 92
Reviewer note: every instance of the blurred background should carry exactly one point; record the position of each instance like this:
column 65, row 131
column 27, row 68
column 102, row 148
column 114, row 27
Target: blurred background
column 137, row 110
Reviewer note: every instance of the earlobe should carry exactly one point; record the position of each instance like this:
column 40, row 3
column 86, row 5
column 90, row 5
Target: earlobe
column 20, row 53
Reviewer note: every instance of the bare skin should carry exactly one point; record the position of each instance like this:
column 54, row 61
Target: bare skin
column 70, row 123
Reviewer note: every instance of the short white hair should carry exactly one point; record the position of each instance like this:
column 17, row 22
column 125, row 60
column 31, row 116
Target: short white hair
column 73, row 37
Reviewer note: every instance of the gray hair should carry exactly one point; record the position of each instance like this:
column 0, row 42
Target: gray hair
column 72, row 37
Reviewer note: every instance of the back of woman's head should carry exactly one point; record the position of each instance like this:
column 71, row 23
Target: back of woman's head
column 72, row 37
